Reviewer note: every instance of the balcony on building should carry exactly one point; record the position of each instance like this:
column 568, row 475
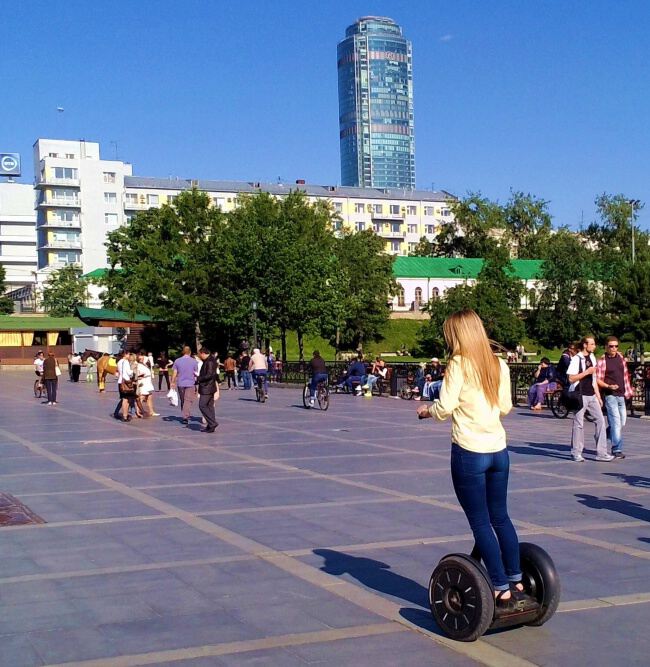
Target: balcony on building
column 61, row 224
column 50, row 181
column 61, row 245
column 59, row 202
column 138, row 206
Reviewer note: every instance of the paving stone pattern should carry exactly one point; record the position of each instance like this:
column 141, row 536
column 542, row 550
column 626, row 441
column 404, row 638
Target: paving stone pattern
column 294, row 537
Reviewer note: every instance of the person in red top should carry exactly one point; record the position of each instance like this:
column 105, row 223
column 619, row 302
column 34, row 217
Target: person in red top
column 615, row 386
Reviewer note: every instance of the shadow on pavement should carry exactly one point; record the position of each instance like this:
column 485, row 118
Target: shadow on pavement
column 374, row 574
column 550, row 449
column 626, row 507
column 632, row 480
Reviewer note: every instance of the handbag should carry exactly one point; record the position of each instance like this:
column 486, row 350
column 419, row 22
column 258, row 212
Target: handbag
column 57, row 370
column 127, row 387
column 573, row 399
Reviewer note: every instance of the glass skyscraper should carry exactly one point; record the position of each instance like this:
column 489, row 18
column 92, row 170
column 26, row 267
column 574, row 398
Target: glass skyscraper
column 376, row 105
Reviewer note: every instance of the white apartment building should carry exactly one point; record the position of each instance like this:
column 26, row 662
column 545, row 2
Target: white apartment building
column 400, row 217
column 17, row 235
column 80, row 198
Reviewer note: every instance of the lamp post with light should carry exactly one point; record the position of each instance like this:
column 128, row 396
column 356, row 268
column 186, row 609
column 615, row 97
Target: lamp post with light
column 634, row 204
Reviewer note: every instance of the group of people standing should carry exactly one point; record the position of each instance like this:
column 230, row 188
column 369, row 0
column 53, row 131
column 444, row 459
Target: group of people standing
column 590, row 386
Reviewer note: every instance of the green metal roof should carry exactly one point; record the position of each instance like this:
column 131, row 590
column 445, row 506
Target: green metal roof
column 97, row 273
column 39, row 323
column 451, row 267
column 106, row 314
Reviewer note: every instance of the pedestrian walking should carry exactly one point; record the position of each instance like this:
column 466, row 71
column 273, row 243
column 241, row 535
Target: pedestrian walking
column 208, row 389
column 615, row 386
column 51, row 372
column 184, row 373
column 582, row 376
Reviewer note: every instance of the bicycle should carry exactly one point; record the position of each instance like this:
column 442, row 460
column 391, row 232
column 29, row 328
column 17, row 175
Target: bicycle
column 322, row 395
column 260, row 394
column 39, row 388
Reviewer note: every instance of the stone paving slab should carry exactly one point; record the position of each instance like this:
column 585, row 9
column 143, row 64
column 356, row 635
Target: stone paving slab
column 295, row 537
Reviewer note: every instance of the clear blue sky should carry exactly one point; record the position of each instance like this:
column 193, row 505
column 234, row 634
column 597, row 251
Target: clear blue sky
column 548, row 97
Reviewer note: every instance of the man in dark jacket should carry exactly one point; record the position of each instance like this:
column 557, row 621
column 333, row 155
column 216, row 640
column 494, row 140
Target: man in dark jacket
column 207, row 382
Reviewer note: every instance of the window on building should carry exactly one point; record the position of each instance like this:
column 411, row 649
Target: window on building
column 412, row 247
column 152, row 200
column 109, row 177
column 377, row 227
column 395, row 227
column 435, row 293
column 337, row 226
column 412, row 210
column 69, row 156
column 445, row 212
column 129, row 216
column 428, row 210
column 66, row 172
column 412, row 229
column 65, row 196
column 66, row 257
column 338, row 206
column 395, row 246
column 378, row 208
column 171, row 198
column 359, row 208
column 429, row 229
column 110, row 218
column 65, row 216
column 418, row 297
column 394, row 209
column 360, row 226
column 400, row 297
column 110, row 198
column 131, row 198
column 219, row 201
column 52, row 155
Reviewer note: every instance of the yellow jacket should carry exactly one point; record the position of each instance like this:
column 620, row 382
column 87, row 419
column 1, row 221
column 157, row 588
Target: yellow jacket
column 476, row 425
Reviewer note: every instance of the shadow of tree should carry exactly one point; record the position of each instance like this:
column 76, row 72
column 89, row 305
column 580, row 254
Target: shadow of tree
column 626, row 507
column 632, row 480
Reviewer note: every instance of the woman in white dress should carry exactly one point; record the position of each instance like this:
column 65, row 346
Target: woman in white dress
column 145, row 385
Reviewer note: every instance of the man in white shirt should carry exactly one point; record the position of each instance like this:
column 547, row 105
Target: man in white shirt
column 259, row 367
column 582, row 376
column 125, row 374
column 38, row 363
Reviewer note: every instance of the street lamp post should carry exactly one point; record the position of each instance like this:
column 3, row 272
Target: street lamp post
column 634, row 204
column 254, row 304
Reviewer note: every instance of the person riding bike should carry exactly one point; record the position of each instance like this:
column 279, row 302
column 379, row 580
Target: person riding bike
column 38, row 363
column 318, row 372
column 259, row 368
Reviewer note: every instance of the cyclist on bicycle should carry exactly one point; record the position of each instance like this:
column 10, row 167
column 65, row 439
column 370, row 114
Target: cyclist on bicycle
column 38, row 363
column 318, row 372
column 259, row 368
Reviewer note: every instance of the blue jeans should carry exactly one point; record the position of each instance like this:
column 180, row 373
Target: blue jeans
column 263, row 374
column 616, row 418
column 481, row 486
column 315, row 379
column 354, row 378
column 246, row 379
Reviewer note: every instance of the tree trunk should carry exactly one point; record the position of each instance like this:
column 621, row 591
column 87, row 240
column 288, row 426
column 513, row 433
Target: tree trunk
column 283, row 342
column 301, row 351
column 197, row 335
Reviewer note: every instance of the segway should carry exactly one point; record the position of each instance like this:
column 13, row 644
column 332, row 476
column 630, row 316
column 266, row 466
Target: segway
column 462, row 601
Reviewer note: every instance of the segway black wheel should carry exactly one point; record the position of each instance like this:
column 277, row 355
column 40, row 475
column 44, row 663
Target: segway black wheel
column 540, row 579
column 461, row 598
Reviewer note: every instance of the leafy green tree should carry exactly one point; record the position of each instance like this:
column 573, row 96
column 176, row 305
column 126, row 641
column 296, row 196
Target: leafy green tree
column 165, row 263
column 424, row 248
column 64, row 291
column 6, row 304
column 528, row 222
column 364, row 285
column 570, row 302
column 496, row 297
column 631, row 301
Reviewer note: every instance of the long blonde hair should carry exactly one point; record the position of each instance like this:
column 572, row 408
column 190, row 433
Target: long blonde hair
column 465, row 336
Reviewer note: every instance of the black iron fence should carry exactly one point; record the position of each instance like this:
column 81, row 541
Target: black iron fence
column 521, row 377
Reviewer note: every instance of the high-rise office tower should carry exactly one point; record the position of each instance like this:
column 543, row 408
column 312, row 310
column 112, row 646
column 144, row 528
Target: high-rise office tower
column 376, row 105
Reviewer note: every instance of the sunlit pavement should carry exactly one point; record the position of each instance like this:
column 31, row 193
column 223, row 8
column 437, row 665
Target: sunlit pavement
column 293, row 536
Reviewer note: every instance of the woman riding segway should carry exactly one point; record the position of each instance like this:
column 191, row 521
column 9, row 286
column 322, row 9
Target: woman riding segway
column 465, row 598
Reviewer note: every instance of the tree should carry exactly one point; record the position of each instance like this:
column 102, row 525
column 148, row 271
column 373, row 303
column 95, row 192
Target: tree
column 570, row 302
column 529, row 224
column 424, row 248
column 631, row 301
column 64, row 291
column 364, row 284
column 166, row 263
column 496, row 298
column 6, row 304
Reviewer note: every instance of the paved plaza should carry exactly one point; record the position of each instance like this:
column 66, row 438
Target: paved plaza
column 294, row 537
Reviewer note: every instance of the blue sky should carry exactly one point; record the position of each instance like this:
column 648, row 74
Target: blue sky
column 547, row 97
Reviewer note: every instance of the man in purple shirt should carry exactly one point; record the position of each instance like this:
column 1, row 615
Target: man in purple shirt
column 184, row 373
